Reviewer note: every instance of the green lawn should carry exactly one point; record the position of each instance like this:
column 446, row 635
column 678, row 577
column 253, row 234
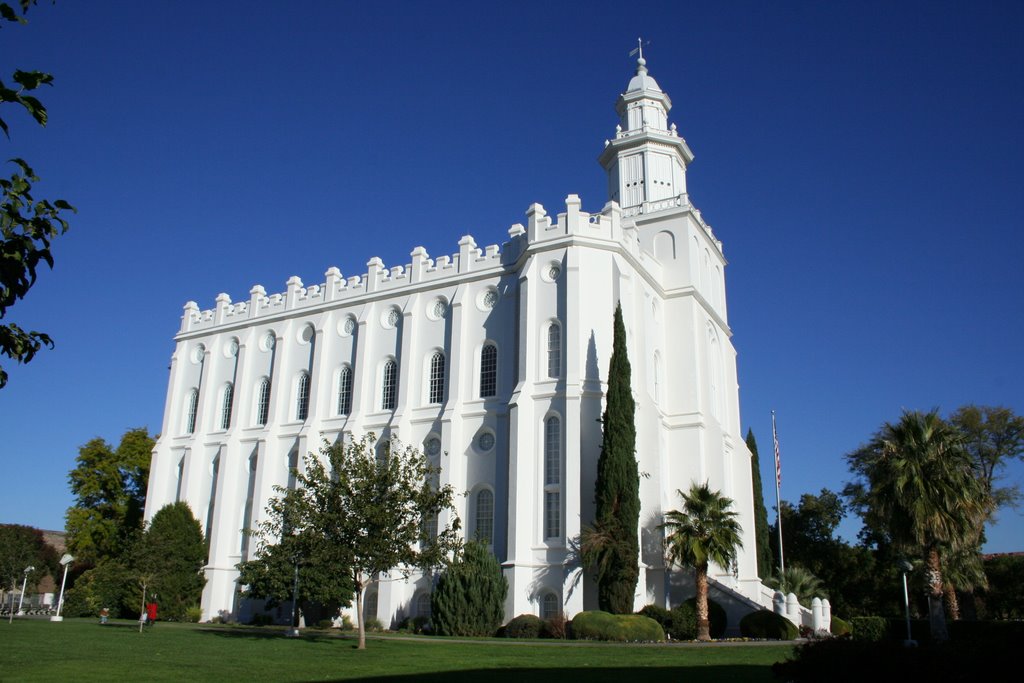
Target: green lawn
column 82, row 650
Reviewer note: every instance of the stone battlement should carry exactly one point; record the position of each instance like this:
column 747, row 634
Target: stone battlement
column 423, row 270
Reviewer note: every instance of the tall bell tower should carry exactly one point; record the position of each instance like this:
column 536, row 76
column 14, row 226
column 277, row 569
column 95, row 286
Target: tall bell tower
column 646, row 161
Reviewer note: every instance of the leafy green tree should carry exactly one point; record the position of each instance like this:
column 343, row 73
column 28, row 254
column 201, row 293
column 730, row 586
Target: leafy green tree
column 469, row 599
column 110, row 584
column 1004, row 596
column 915, row 480
column 764, row 551
column 22, row 547
column 362, row 511
column 110, row 496
column 27, row 225
column 993, row 436
column 704, row 531
column 169, row 557
column 617, row 490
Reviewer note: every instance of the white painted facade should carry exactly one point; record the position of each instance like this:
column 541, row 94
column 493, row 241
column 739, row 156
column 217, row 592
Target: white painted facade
column 522, row 439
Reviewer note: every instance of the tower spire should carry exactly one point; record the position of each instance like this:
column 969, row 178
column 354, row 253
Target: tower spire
column 646, row 161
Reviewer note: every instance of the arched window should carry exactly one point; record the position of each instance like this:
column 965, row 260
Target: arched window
column 226, row 404
column 263, row 402
column 554, row 350
column 483, row 523
column 193, row 407
column 488, row 370
column 552, row 478
column 423, row 605
column 345, row 391
column 436, row 378
column 370, row 604
column 389, row 386
column 549, row 607
column 302, row 397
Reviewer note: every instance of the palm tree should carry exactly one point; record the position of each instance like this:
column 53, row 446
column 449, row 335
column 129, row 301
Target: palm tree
column 799, row 581
column 704, row 530
column 919, row 487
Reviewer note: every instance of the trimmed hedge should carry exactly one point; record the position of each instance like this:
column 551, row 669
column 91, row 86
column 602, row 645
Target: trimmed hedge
column 768, row 625
column 597, row 625
column 869, row 629
column 680, row 623
column 839, row 627
column 524, row 626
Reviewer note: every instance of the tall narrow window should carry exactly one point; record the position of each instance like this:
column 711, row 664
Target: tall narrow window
column 423, row 605
column 436, row 378
column 370, row 604
column 389, row 387
column 225, row 406
column 193, row 406
column 552, row 478
column 250, row 496
column 483, row 527
column 554, row 350
column 488, row 370
column 302, row 397
column 212, row 507
column 345, row 391
column 263, row 402
column 549, row 607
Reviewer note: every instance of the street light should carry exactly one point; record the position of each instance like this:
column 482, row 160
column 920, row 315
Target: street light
column 906, row 567
column 24, row 582
column 65, row 561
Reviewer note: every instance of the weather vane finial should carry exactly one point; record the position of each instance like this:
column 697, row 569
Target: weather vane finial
column 639, row 49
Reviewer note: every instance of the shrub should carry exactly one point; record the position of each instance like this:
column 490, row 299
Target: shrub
column 346, row 623
column 716, row 615
column 469, row 599
column 597, row 625
column 869, row 629
column 262, row 620
column 373, row 624
column 193, row 614
column 524, row 626
column 659, row 614
column 765, row 624
column 555, row 627
column 683, row 622
column 325, row 624
column 840, row 627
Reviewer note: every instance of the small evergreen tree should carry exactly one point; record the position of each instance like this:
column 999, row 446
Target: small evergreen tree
column 617, row 491
column 764, row 551
column 169, row 557
column 469, row 599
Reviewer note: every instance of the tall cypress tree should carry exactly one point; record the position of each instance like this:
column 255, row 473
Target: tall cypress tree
column 764, row 551
column 617, row 491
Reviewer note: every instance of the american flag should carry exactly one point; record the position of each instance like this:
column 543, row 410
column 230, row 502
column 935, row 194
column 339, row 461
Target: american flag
column 778, row 458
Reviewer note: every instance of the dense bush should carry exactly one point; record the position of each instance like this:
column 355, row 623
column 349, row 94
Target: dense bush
column 716, row 615
column 262, row 619
column 766, row 624
column 193, row 614
column 524, row 626
column 659, row 614
column 597, row 625
column 109, row 584
column 469, row 599
column 842, row 660
column 869, row 629
column 555, row 627
column 839, row 627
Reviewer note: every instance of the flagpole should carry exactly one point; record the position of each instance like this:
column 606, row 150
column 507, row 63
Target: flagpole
column 778, row 500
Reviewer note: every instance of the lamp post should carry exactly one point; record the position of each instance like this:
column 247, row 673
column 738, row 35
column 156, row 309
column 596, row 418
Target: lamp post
column 65, row 562
column 24, row 583
column 904, row 568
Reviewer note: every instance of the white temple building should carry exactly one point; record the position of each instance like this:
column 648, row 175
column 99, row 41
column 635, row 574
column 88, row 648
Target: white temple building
column 495, row 359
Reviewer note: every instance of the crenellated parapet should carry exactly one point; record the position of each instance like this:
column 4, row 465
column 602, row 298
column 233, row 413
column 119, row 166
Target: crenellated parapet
column 539, row 233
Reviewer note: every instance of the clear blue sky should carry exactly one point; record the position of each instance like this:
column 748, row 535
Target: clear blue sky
column 861, row 162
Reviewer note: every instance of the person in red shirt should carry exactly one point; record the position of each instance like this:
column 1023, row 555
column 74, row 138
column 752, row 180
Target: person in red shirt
column 151, row 612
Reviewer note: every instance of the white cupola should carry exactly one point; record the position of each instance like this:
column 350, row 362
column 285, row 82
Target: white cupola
column 646, row 160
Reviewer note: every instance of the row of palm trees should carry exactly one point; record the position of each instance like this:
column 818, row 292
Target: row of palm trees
column 915, row 482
